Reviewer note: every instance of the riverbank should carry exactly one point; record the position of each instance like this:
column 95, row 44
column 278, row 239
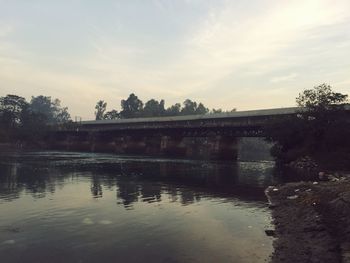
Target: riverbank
column 312, row 221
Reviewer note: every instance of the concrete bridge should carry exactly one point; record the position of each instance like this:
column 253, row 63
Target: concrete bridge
column 212, row 136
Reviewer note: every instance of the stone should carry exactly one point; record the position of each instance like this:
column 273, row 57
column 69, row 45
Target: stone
column 270, row 232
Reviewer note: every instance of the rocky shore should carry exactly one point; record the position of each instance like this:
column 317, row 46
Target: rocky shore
column 312, row 220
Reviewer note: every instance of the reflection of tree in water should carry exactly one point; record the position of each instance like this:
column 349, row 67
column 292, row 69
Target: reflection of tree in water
column 96, row 188
column 189, row 197
column 150, row 192
column 9, row 187
column 188, row 182
column 138, row 180
column 145, row 181
column 128, row 192
column 16, row 178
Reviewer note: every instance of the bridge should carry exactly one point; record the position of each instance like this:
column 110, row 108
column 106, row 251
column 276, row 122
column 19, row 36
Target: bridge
column 210, row 136
column 240, row 123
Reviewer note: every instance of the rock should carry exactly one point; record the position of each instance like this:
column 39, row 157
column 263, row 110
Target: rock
column 292, row 197
column 321, row 175
column 272, row 205
column 270, row 232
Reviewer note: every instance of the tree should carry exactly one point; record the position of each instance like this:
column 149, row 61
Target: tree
column 154, row 108
column 320, row 98
column 42, row 105
column 23, row 121
column 173, row 110
column 324, row 116
column 61, row 114
column 33, row 126
column 214, row 111
column 131, row 107
column 189, row 107
column 111, row 115
column 50, row 109
column 11, row 108
column 201, row 109
column 100, row 109
column 320, row 128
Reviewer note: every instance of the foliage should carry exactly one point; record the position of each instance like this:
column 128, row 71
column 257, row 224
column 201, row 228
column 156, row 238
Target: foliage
column 153, row 108
column 320, row 98
column 111, row 115
column 11, row 108
column 215, row 111
column 50, row 109
column 321, row 127
column 173, row 110
column 131, row 107
column 201, row 109
column 100, row 109
column 191, row 108
column 23, row 121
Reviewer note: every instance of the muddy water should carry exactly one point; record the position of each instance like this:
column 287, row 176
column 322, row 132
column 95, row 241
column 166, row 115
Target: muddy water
column 79, row 207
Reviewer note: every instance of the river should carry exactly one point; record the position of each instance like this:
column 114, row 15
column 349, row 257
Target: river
column 84, row 207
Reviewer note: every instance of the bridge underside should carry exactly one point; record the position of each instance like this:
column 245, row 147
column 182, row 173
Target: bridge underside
column 196, row 143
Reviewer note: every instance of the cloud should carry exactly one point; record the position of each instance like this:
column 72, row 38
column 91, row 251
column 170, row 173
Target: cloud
column 288, row 77
column 227, row 53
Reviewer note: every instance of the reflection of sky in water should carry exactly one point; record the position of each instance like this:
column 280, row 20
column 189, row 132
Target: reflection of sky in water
column 89, row 208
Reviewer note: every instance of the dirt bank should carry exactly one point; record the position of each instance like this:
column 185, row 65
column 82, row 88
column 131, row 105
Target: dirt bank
column 312, row 221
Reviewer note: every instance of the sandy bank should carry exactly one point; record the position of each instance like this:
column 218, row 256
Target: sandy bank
column 312, row 221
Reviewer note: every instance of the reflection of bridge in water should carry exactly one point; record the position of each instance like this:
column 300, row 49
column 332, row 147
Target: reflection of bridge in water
column 138, row 180
column 212, row 136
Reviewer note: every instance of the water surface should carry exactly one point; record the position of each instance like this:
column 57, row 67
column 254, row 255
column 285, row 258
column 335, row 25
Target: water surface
column 80, row 207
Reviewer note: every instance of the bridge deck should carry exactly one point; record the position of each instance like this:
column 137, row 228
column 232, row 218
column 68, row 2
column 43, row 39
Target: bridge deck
column 216, row 116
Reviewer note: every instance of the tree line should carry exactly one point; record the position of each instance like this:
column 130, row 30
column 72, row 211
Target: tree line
column 133, row 107
column 27, row 121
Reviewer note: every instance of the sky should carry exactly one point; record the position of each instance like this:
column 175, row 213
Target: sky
column 244, row 54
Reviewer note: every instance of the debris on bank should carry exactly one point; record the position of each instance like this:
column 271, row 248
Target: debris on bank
column 312, row 220
column 304, row 163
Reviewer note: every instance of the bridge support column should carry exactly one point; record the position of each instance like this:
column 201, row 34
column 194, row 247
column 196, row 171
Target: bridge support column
column 172, row 146
column 225, row 148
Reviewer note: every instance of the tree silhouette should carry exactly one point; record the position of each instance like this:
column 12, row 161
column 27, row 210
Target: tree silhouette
column 100, row 109
column 153, row 108
column 111, row 115
column 321, row 128
column 131, row 107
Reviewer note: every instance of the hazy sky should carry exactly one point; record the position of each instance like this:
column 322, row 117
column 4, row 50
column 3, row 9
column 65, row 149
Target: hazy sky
column 230, row 54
